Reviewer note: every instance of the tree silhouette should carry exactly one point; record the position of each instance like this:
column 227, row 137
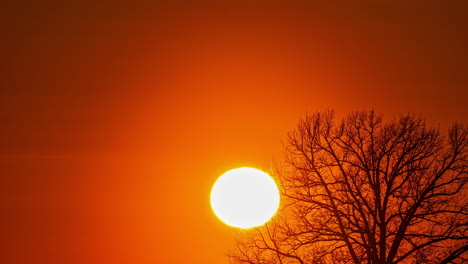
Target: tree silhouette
column 360, row 190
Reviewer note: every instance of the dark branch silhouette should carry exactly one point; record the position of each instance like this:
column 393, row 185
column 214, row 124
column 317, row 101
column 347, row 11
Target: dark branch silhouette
column 359, row 190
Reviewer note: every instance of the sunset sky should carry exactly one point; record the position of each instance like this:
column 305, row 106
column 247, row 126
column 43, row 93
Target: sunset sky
column 116, row 118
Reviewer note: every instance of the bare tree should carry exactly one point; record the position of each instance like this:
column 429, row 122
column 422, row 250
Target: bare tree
column 359, row 190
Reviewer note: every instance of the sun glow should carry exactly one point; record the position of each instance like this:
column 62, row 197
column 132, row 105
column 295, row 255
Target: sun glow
column 245, row 197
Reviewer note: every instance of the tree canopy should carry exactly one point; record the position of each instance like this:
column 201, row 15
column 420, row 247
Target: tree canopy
column 361, row 190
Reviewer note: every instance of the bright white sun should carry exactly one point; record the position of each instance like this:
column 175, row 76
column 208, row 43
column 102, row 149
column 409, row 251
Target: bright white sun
column 245, row 197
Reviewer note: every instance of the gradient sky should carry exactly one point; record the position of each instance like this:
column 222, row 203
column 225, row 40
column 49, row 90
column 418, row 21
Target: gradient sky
column 116, row 118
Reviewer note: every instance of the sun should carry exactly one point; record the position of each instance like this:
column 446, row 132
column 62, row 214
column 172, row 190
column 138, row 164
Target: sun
column 245, row 197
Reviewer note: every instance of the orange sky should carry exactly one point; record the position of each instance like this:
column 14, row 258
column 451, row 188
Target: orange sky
column 117, row 118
